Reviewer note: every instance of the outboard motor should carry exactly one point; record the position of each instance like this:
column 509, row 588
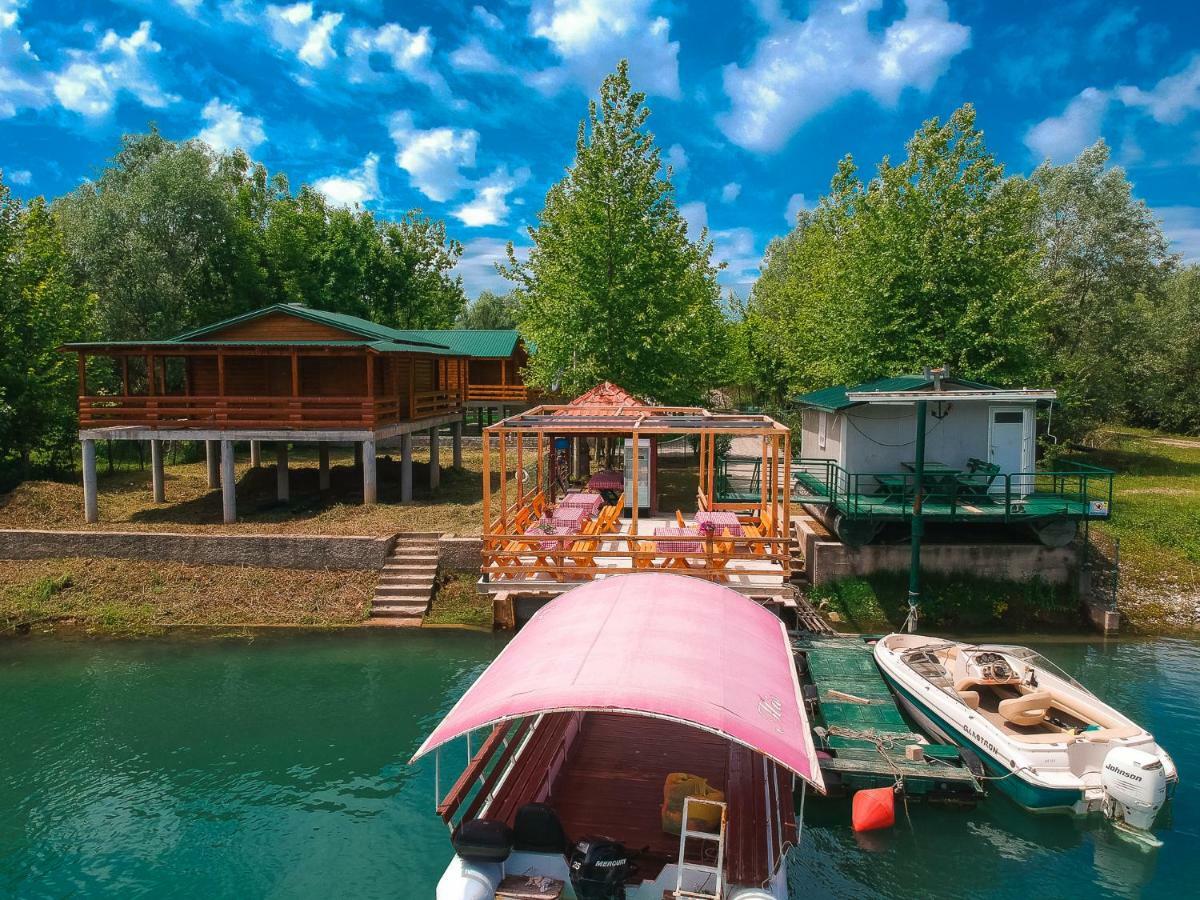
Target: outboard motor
column 599, row 868
column 1135, row 787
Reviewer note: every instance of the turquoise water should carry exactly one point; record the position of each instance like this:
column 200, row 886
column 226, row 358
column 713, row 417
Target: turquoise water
column 275, row 767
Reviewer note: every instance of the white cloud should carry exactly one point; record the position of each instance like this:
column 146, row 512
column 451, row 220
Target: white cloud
column 295, row 28
column 677, row 158
column 489, row 206
column 228, row 127
column 354, row 187
column 1182, row 225
column 433, row 158
column 735, row 247
column 589, row 37
column 18, row 176
column 731, row 192
column 696, row 216
column 473, row 56
column 1061, row 138
column 91, row 81
column 487, row 19
column 1169, row 101
column 477, row 265
column 22, row 82
column 803, row 67
column 795, row 203
column 407, row 52
column 189, row 6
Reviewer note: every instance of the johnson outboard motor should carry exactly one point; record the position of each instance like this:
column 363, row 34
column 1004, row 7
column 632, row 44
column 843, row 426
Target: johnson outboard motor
column 1135, row 789
column 599, row 868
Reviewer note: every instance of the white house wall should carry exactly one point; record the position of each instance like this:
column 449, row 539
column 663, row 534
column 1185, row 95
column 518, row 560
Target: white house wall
column 882, row 438
column 810, row 446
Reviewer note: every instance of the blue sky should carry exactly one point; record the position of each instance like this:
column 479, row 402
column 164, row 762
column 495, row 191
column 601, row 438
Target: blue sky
column 470, row 111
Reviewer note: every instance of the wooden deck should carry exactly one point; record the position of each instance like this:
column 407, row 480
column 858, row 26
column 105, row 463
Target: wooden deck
column 610, row 782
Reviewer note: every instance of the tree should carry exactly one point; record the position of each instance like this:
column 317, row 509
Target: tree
column 613, row 289
column 1168, row 358
column 490, row 310
column 932, row 261
column 1104, row 267
column 40, row 309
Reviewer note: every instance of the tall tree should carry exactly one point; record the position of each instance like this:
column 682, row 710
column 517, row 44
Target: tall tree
column 613, row 289
column 1105, row 264
column 490, row 310
column 40, row 309
column 932, row 261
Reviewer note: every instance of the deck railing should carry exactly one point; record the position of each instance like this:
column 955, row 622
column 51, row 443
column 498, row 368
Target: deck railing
column 192, row 411
column 1082, row 489
column 498, row 393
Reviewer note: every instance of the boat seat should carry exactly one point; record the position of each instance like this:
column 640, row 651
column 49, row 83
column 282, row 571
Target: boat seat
column 1111, row 734
column 1029, row 709
column 970, row 698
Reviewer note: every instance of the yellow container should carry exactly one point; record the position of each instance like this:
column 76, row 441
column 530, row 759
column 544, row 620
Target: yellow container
column 677, row 787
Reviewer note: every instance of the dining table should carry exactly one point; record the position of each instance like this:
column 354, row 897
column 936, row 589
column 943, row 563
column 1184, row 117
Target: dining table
column 569, row 515
column 587, row 501
column 722, row 521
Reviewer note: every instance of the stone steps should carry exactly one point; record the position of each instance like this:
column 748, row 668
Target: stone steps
column 407, row 579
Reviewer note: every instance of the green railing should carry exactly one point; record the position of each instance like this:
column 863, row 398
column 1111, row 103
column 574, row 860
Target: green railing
column 1074, row 490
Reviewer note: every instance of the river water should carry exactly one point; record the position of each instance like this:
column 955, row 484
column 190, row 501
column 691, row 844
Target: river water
column 276, row 767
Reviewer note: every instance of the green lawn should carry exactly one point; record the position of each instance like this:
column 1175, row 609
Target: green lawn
column 1156, row 516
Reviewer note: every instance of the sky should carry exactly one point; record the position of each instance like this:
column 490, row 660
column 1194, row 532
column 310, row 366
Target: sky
column 470, row 111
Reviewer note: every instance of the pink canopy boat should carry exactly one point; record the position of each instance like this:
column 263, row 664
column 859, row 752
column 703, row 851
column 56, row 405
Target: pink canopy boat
column 610, row 695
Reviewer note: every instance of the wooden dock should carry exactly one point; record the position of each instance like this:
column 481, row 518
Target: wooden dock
column 862, row 731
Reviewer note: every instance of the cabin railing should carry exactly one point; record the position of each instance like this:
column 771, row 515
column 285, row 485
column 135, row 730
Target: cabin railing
column 194, row 411
column 497, row 393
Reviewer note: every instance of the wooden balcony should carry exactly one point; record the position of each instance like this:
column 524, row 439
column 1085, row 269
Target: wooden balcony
column 498, row 393
column 190, row 411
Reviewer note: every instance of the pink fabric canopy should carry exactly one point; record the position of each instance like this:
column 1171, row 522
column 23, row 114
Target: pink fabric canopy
column 654, row 644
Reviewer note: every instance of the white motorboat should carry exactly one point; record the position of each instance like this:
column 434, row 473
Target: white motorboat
column 1046, row 740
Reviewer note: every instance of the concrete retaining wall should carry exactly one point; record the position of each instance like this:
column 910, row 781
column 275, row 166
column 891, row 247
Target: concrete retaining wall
column 460, row 553
column 830, row 560
column 272, row 551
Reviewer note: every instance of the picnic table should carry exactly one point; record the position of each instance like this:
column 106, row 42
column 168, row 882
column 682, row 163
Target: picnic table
column 569, row 515
column 589, row 502
column 722, row 521
column 550, row 540
column 938, row 476
column 678, row 546
column 607, row 480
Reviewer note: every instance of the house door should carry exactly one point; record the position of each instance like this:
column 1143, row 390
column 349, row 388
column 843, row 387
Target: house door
column 1009, row 446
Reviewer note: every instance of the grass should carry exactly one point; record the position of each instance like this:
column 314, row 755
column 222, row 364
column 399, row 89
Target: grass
column 134, row 597
column 126, row 505
column 458, row 602
column 1156, row 516
column 879, row 603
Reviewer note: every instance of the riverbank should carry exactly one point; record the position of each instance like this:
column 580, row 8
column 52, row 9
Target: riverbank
column 1156, row 517
column 131, row 597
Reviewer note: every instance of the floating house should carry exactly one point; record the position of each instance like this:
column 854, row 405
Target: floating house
column 495, row 358
column 286, row 374
column 858, row 459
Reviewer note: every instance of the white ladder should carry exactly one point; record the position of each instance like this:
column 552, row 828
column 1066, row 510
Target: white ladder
column 716, row 871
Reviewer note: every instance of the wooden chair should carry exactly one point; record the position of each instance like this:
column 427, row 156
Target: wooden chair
column 679, row 519
column 646, row 562
column 582, row 553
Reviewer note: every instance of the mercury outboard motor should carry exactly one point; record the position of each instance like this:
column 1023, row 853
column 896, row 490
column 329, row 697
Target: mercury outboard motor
column 599, row 868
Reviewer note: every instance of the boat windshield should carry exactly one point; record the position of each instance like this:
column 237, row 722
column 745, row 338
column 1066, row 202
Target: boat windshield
column 1036, row 660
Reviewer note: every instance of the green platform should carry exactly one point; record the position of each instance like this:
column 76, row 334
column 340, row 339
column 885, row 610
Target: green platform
column 846, row 665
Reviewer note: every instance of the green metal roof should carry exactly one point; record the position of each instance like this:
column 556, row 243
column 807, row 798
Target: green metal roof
column 473, row 342
column 834, row 398
column 387, row 346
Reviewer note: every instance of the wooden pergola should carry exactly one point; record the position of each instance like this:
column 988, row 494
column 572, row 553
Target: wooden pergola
column 512, row 557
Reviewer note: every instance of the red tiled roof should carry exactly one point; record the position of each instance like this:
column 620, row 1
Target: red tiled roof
column 607, row 395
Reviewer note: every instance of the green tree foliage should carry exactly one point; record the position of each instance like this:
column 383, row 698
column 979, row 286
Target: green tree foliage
column 40, row 308
column 490, row 310
column 172, row 236
column 1168, row 365
column 932, row 261
column 613, row 289
column 1105, row 264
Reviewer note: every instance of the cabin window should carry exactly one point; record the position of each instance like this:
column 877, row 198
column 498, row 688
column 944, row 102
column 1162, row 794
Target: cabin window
column 822, row 429
column 1014, row 417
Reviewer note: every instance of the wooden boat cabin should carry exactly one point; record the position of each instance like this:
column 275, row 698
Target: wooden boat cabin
column 857, row 467
column 284, row 373
column 548, row 525
column 495, row 358
column 641, row 737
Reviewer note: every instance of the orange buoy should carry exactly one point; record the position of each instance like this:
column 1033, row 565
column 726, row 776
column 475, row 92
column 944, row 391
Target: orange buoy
column 874, row 808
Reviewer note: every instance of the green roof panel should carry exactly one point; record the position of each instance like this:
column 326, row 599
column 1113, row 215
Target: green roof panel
column 473, row 342
column 834, row 398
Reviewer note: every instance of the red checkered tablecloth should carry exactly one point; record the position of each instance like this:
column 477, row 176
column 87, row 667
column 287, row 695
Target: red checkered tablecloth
column 551, row 543
column 722, row 521
column 589, row 502
column 569, row 515
column 607, row 480
column 677, row 546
